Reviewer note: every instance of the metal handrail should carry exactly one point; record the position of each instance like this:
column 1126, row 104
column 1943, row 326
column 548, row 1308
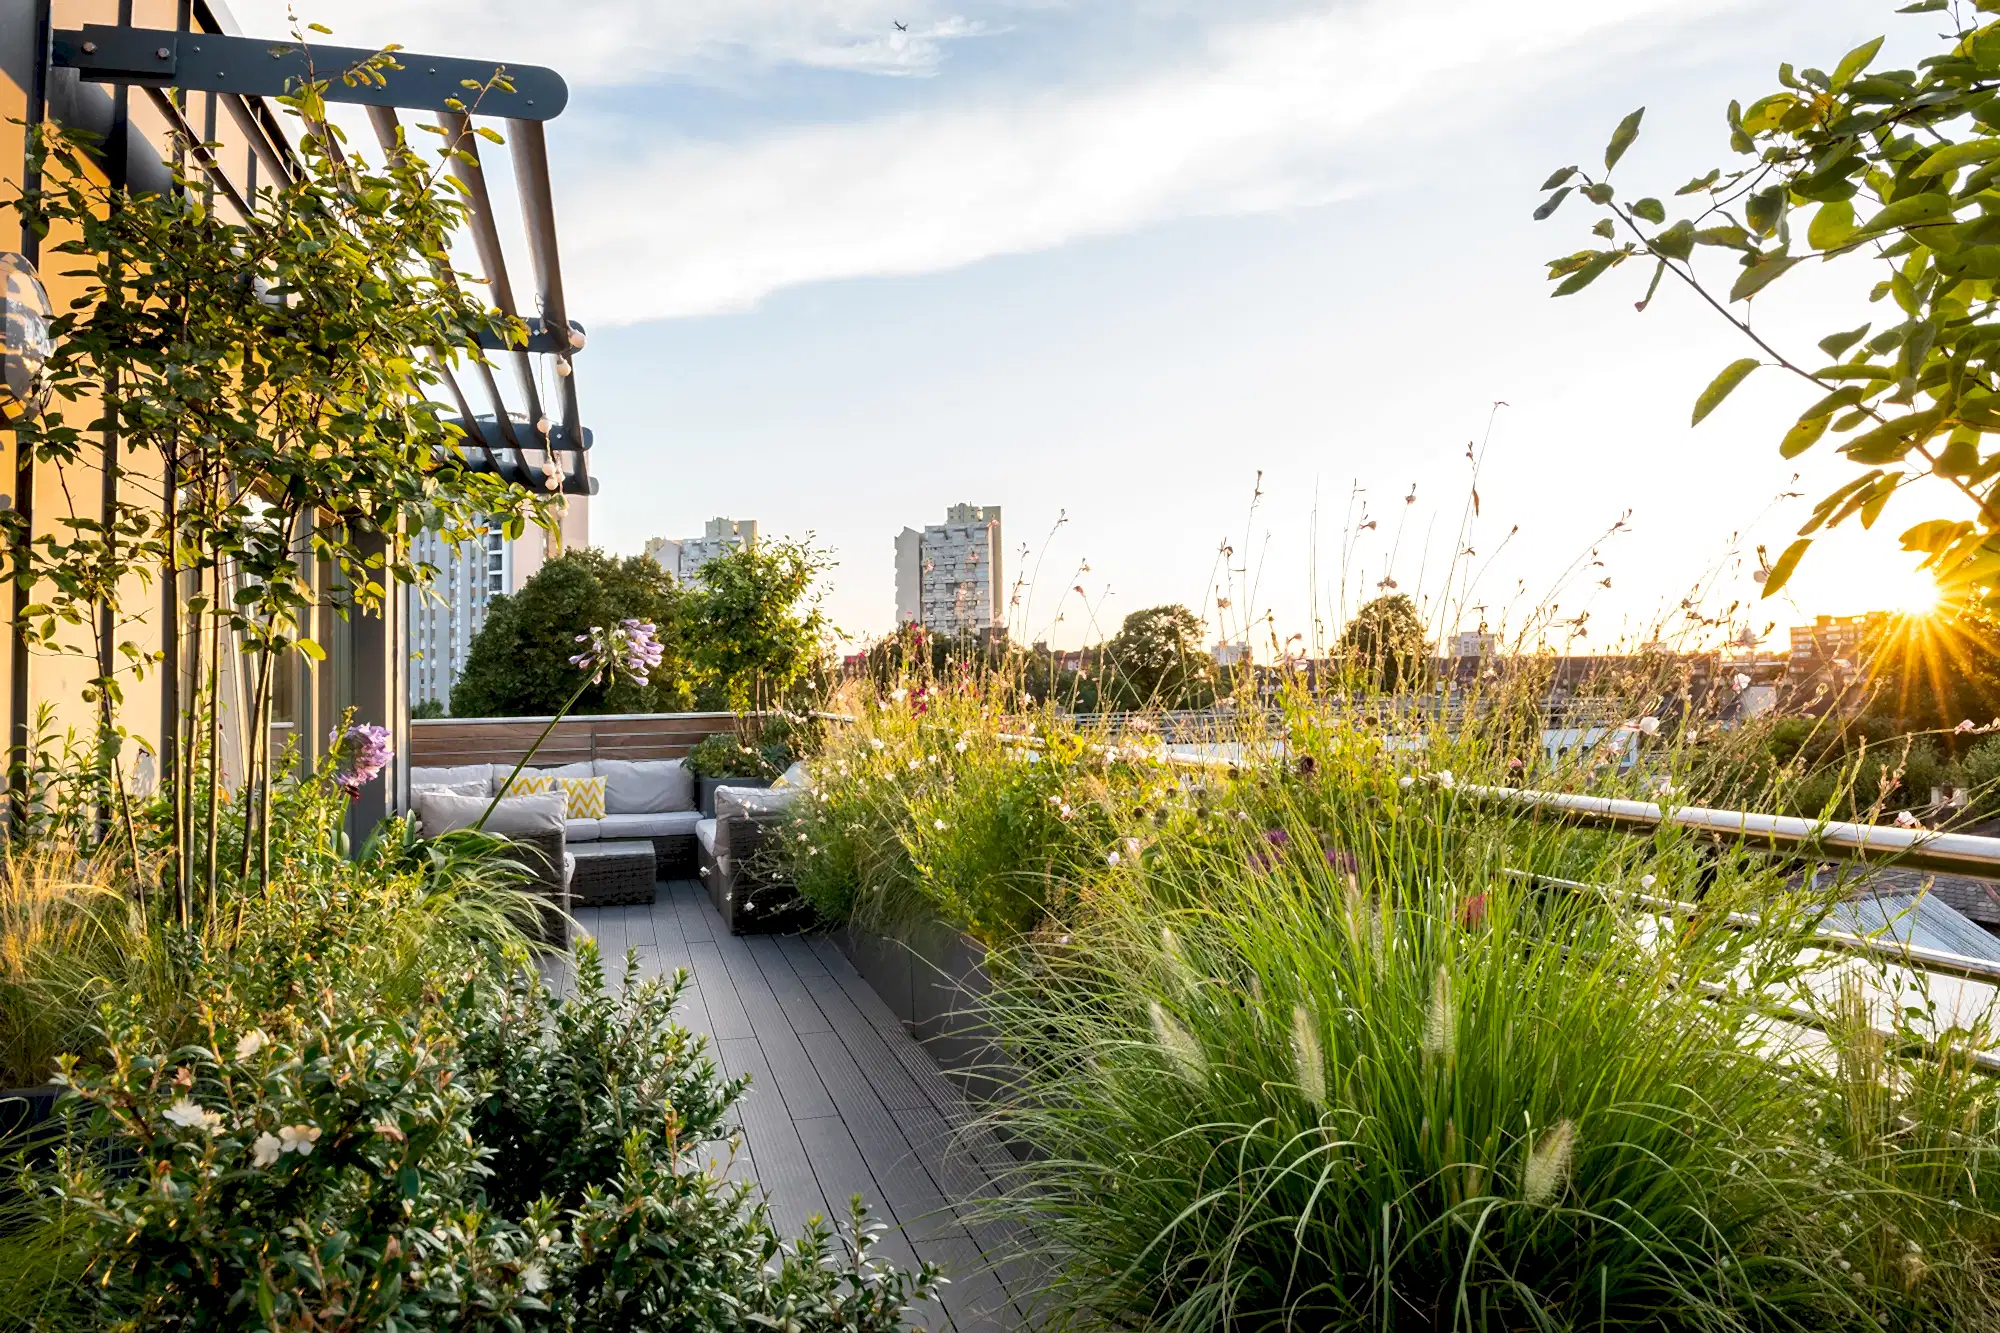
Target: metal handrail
column 1918, row 849
column 1895, row 951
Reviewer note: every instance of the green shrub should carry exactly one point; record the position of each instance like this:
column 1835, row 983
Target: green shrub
column 1979, row 771
column 727, row 755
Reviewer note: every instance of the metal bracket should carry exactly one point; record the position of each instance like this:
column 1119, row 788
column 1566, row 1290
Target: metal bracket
column 258, row 67
column 540, row 339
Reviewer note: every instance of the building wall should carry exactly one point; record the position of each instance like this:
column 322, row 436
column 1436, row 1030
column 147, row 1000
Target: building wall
column 949, row 578
column 685, row 558
column 444, row 618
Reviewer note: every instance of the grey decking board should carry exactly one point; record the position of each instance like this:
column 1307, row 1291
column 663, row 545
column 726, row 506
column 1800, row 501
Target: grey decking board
column 783, row 1167
column 793, row 997
column 841, row 1099
column 718, row 992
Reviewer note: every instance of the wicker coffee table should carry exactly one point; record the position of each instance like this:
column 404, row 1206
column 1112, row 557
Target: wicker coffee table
column 609, row 873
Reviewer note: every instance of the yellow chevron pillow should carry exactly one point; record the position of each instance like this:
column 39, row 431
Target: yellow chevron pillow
column 585, row 796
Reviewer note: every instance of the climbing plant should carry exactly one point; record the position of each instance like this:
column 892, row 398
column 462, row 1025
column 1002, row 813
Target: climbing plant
column 267, row 373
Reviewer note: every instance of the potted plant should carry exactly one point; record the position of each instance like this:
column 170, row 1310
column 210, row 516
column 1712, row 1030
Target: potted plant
column 727, row 760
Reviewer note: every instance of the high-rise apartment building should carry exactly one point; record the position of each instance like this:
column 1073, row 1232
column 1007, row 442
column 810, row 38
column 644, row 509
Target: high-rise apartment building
column 684, row 558
column 948, row 576
column 444, row 617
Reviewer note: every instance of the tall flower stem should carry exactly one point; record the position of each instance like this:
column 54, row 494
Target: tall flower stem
column 561, row 713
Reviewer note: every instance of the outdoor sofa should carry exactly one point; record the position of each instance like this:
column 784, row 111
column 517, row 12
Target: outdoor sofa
column 651, row 801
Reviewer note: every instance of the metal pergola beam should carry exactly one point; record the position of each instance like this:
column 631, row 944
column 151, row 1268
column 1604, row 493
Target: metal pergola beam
column 254, row 67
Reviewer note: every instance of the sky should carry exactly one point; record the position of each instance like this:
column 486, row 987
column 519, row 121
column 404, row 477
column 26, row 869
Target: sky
column 1193, row 289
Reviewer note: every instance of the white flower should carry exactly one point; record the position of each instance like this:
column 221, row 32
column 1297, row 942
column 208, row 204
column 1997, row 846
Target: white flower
column 265, row 1150
column 876, row 741
column 1663, row 786
column 899, row 694
column 250, row 1043
column 1034, row 758
column 937, row 824
column 1111, row 858
column 961, row 746
column 1446, row 780
column 534, row 1278
column 1647, row 881
column 1063, row 809
column 298, row 1139
column 1649, row 726
column 1904, row 819
column 189, row 1115
column 916, row 763
column 1131, row 846
column 1740, row 681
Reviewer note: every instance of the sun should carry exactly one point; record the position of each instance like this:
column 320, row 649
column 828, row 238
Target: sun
column 1915, row 595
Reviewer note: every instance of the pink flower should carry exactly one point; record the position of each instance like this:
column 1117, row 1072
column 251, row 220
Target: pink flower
column 630, row 648
column 359, row 755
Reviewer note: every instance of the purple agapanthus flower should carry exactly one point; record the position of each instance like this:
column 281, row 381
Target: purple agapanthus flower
column 360, row 753
column 629, row 648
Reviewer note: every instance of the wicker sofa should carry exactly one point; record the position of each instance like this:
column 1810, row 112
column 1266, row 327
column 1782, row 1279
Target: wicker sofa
column 740, row 866
column 653, row 799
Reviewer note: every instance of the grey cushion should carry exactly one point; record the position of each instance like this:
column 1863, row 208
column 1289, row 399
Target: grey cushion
column 704, row 833
column 645, row 786
column 483, row 787
column 440, row 812
column 579, row 830
column 500, row 771
column 795, row 776
column 452, row 777
column 740, row 802
column 666, row 824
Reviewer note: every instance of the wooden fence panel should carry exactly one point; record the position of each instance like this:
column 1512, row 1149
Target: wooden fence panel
column 443, row 742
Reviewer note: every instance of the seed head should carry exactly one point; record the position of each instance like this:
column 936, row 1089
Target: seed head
column 1548, row 1164
column 1441, row 1023
column 1307, row 1056
column 1179, row 1045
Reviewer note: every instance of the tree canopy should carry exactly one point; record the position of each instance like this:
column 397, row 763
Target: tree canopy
column 1156, row 659
column 1385, row 642
column 1894, row 168
column 746, row 635
column 519, row 661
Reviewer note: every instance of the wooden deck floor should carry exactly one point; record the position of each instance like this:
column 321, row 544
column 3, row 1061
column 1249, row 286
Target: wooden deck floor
column 841, row 1102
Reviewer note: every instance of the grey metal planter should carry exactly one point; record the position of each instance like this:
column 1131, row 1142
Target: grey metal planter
column 934, row 980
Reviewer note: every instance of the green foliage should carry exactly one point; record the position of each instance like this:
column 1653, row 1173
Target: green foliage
column 266, row 366
column 757, row 633
column 1295, row 1048
column 1157, row 660
column 428, row 709
column 361, row 1107
column 728, row 755
column 519, row 662
column 1892, row 167
column 1385, row 643
column 568, row 1087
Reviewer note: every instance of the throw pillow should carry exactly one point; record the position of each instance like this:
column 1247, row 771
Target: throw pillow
column 645, row 786
column 530, row 782
column 585, row 796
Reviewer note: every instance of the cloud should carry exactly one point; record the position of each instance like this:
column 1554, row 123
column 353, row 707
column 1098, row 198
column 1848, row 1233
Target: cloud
column 605, row 43
column 1261, row 118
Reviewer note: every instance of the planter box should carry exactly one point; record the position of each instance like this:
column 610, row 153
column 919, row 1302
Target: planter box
column 934, row 980
column 705, row 789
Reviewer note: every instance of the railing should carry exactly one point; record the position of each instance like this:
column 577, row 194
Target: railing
column 1916, row 849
